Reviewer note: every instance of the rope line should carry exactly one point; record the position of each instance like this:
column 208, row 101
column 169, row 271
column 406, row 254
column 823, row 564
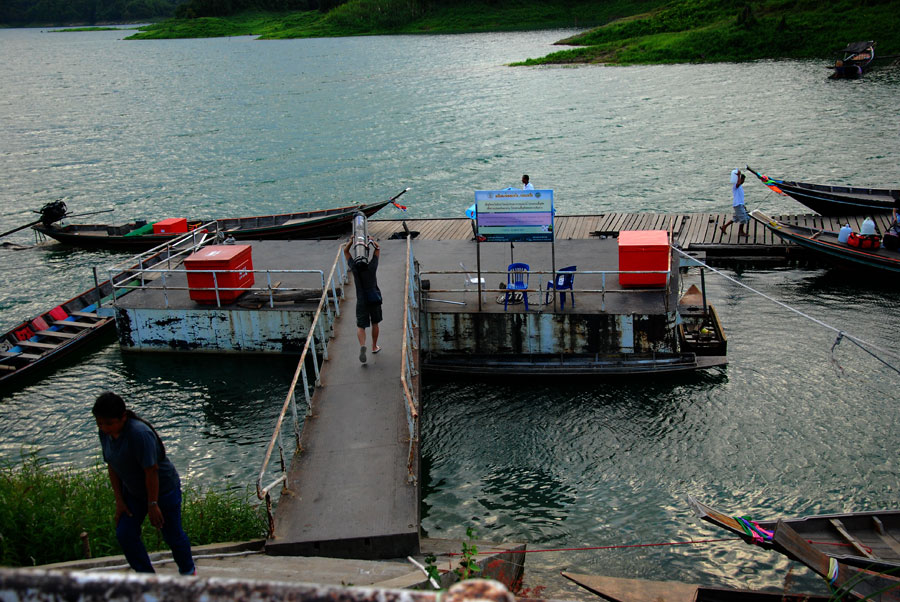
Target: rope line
column 641, row 545
column 841, row 334
column 586, row 549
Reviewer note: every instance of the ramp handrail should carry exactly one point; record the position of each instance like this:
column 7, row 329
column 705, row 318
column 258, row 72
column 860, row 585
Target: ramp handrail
column 290, row 401
column 409, row 369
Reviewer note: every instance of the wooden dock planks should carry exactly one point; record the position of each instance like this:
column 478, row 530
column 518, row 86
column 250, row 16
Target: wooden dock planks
column 688, row 229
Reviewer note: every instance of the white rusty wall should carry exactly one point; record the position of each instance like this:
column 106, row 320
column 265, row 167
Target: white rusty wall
column 547, row 333
column 214, row 330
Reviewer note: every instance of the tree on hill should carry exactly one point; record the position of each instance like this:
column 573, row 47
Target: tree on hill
column 90, row 12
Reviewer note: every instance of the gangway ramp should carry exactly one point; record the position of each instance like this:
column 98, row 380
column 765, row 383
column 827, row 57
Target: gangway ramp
column 349, row 493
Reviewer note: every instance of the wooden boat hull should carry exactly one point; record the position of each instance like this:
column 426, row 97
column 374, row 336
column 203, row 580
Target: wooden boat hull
column 573, row 365
column 32, row 347
column 700, row 331
column 616, row 589
column 327, row 223
column 825, row 243
column 869, row 540
column 835, row 201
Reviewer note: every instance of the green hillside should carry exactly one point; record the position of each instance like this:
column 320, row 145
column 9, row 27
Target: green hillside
column 626, row 31
column 720, row 31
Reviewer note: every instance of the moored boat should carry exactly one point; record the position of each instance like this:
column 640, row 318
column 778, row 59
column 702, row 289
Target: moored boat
column 700, row 330
column 140, row 235
column 855, row 59
column 830, row 200
column 826, row 244
column 35, row 344
column 843, row 579
column 869, row 540
column 617, row 589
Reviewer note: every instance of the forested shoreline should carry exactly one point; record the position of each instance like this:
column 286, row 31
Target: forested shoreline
column 615, row 31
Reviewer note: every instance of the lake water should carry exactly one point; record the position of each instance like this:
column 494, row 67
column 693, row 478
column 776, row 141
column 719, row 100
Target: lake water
column 229, row 127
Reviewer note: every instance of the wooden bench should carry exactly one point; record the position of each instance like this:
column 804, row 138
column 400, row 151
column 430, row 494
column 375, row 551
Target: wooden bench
column 57, row 333
column 84, row 314
column 38, row 345
column 24, row 356
column 7, row 368
column 75, row 324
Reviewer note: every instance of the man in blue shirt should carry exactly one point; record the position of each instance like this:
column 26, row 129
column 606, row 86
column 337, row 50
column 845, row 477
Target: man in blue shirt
column 144, row 482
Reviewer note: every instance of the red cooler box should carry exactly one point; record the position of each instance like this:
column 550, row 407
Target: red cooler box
column 219, row 257
column 643, row 250
column 173, row 225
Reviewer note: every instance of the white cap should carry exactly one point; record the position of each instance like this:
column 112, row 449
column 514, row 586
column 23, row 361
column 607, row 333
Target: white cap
column 734, row 175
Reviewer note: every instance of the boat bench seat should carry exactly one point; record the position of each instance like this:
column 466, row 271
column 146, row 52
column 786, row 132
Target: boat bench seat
column 298, row 220
column 57, row 333
column 38, row 345
column 7, row 368
column 75, row 324
column 24, row 356
column 84, row 314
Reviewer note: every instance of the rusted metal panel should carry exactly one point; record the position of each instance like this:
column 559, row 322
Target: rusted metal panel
column 508, row 333
column 213, row 329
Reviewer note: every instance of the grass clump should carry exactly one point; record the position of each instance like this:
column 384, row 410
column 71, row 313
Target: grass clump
column 45, row 509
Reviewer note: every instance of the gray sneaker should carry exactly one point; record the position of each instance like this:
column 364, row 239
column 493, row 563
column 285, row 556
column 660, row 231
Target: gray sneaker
column 362, row 354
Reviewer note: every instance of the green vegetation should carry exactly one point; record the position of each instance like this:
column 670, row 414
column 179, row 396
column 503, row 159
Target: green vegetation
column 44, row 510
column 721, row 31
column 382, row 17
column 69, row 12
column 629, row 32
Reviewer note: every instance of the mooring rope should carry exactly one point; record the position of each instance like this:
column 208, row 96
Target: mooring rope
column 840, row 333
column 614, row 547
column 635, row 545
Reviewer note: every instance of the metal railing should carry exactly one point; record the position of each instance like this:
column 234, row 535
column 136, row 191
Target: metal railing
column 146, row 269
column 409, row 369
column 602, row 291
column 149, row 275
column 323, row 314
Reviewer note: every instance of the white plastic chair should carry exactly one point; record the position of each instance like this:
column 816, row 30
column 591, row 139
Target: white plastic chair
column 472, row 280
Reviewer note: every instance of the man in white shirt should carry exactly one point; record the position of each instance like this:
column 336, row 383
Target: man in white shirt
column 526, row 185
column 741, row 217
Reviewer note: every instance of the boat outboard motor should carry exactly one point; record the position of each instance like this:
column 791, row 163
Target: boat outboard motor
column 52, row 212
column 359, row 250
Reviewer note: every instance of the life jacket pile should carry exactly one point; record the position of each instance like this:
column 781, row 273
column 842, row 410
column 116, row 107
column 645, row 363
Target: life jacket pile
column 864, row 241
column 892, row 237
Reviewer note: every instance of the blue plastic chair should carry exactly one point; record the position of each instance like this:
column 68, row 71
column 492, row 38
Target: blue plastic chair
column 516, row 280
column 563, row 282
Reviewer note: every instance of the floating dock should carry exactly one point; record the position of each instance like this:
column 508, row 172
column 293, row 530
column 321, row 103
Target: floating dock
column 352, row 488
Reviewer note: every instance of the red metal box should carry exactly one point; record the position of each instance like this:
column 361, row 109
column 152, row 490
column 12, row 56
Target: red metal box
column 643, row 250
column 173, row 225
column 219, row 257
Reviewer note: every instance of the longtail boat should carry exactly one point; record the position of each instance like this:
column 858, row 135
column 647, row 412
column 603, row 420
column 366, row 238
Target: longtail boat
column 826, row 243
column 829, row 200
column 869, row 540
column 35, row 344
column 140, row 235
column 842, row 578
column 617, row 589
column 855, row 59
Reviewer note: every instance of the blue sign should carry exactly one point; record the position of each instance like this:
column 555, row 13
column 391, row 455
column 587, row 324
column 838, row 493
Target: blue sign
column 514, row 215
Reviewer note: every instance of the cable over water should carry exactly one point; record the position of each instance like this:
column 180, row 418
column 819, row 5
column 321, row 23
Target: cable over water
column 862, row 344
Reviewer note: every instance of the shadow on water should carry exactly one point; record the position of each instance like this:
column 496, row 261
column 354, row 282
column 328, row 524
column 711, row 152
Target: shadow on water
column 208, row 381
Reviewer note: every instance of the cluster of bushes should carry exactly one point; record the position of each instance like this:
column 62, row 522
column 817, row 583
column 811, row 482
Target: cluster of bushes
column 44, row 511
